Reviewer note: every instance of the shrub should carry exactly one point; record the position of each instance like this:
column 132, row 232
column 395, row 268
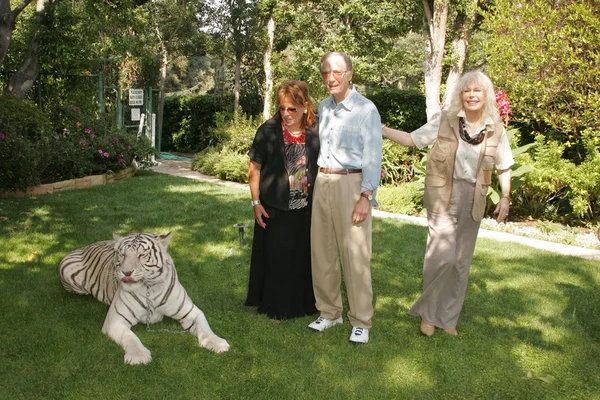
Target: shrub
column 519, row 170
column 229, row 159
column 237, row 135
column 24, row 139
column 232, row 166
column 224, row 164
column 402, row 109
column 31, row 154
column 24, row 115
column 206, row 161
column 406, row 198
column 557, row 189
column 397, row 162
column 190, row 121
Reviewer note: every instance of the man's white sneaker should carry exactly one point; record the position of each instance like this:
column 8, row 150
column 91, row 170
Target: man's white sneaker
column 320, row 324
column 359, row 335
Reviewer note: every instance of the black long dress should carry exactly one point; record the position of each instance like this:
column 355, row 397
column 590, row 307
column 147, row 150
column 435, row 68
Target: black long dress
column 280, row 281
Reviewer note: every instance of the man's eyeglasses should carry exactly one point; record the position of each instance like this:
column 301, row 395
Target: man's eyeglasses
column 336, row 74
column 291, row 110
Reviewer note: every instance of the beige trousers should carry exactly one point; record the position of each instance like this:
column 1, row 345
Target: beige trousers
column 333, row 239
column 450, row 247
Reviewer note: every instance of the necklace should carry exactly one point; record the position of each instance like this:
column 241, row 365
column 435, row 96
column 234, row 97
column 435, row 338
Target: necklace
column 462, row 130
column 289, row 138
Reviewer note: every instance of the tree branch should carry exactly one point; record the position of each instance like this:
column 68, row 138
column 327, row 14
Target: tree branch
column 17, row 10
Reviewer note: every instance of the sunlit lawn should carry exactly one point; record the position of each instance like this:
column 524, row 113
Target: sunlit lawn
column 530, row 328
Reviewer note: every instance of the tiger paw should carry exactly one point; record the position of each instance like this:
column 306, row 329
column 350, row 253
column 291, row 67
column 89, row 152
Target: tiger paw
column 136, row 357
column 218, row 345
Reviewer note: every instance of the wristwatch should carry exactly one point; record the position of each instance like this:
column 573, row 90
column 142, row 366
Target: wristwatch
column 367, row 196
column 255, row 202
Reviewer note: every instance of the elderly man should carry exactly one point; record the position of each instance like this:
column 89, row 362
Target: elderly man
column 349, row 170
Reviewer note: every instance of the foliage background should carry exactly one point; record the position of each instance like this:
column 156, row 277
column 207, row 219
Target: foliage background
column 544, row 55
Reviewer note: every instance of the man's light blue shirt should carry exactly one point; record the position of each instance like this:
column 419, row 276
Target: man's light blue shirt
column 350, row 136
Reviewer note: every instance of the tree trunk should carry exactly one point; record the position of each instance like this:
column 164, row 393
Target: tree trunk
column 238, row 85
column 435, row 38
column 22, row 81
column 161, row 98
column 164, row 62
column 8, row 19
column 268, row 69
column 460, row 45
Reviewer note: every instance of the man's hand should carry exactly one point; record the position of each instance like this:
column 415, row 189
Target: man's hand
column 361, row 209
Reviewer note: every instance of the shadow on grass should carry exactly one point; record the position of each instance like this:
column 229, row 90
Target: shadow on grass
column 525, row 310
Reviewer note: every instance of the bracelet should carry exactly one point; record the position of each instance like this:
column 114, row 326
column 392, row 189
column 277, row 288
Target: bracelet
column 506, row 196
column 255, row 202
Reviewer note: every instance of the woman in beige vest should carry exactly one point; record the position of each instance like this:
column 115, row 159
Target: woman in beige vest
column 468, row 140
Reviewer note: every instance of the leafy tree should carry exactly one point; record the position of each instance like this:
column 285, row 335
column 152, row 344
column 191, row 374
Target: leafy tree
column 463, row 25
column 371, row 32
column 8, row 19
column 233, row 25
column 80, row 37
column 21, row 81
column 436, row 16
column 444, row 20
column 172, row 32
column 546, row 56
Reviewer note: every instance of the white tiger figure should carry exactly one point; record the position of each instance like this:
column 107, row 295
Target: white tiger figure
column 136, row 276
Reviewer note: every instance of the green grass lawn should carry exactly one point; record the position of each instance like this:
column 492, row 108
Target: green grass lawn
column 530, row 328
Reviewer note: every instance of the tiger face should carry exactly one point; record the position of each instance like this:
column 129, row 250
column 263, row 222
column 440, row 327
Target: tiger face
column 139, row 263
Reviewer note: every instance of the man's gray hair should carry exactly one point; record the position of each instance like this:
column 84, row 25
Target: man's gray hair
column 337, row 53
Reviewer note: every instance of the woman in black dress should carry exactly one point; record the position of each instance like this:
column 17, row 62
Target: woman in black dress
column 283, row 167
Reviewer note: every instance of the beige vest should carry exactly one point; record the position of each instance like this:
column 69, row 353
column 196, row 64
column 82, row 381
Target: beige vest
column 440, row 168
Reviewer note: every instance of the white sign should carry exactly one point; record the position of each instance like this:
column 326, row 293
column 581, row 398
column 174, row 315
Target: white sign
column 136, row 97
column 135, row 114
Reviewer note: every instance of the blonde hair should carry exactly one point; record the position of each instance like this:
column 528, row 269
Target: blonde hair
column 479, row 78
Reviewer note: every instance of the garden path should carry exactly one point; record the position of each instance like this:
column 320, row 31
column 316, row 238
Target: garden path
column 182, row 168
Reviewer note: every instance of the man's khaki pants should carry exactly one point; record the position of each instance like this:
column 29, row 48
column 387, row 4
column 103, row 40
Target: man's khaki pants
column 335, row 238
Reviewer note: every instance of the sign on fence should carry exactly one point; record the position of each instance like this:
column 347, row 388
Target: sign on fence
column 136, row 97
column 135, row 114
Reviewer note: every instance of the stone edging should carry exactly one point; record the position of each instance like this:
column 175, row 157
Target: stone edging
column 72, row 184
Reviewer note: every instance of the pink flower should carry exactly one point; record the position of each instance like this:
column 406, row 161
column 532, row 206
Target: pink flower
column 93, row 136
column 100, row 151
column 503, row 104
column 2, row 135
column 105, row 154
column 87, row 130
column 129, row 147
